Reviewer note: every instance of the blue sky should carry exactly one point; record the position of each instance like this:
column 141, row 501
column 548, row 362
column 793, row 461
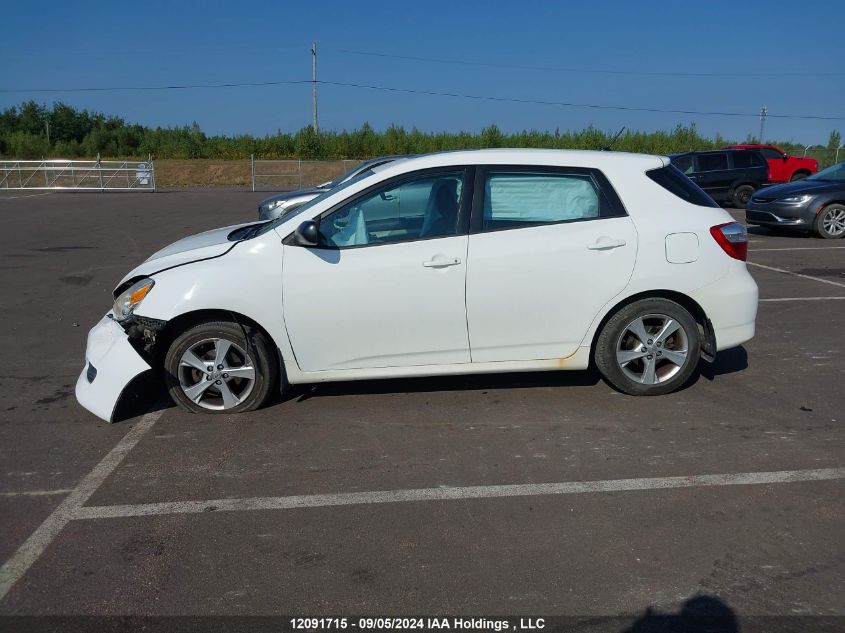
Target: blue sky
column 67, row 44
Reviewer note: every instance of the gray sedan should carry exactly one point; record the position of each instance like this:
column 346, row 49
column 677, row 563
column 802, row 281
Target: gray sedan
column 815, row 204
column 283, row 203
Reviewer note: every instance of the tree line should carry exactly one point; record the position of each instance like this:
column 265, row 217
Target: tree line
column 33, row 130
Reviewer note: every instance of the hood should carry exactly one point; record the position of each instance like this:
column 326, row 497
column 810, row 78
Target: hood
column 798, row 188
column 289, row 195
column 189, row 249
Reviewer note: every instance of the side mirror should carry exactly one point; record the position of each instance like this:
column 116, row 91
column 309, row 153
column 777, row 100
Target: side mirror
column 785, row 157
column 307, row 234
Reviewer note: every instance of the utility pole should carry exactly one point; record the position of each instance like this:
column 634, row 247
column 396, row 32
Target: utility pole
column 763, row 112
column 47, row 123
column 314, row 84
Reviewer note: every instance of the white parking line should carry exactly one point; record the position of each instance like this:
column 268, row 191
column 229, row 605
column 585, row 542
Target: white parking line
column 14, row 568
column 802, row 299
column 36, row 493
column 451, row 494
column 798, row 248
column 789, row 272
column 29, row 195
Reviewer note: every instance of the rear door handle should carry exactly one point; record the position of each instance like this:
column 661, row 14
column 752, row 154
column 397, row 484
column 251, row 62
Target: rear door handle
column 605, row 244
column 442, row 262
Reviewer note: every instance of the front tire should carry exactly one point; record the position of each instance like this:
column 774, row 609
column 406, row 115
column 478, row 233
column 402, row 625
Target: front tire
column 649, row 348
column 830, row 222
column 220, row 367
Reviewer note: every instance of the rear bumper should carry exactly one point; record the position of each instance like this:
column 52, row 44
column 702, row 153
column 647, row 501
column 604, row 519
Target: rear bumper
column 731, row 306
column 110, row 364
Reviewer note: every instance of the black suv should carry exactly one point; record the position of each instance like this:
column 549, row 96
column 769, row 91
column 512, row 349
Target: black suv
column 727, row 175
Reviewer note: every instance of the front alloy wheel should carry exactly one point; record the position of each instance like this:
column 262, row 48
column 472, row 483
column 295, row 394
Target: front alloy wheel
column 216, row 374
column 220, row 367
column 830, row 222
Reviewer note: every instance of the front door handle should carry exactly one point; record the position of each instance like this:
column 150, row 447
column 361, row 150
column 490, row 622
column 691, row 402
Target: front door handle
column 442, row 262
column 605, row 243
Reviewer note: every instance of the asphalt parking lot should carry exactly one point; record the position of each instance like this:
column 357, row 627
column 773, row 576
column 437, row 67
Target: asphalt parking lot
column 413, row 496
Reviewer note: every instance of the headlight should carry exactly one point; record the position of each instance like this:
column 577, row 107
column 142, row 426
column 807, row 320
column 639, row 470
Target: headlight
column 126, row 302
column 795, row 199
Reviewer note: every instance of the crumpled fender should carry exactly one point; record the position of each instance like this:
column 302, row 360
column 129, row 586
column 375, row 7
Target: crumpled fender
column 115, row 363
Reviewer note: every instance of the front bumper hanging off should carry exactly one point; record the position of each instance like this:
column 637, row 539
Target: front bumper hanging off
column 111, row 362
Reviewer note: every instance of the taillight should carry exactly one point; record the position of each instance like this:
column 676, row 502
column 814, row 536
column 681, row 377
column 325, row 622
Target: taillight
column 733, row 238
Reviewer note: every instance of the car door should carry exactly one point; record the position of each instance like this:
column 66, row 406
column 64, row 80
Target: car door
column 713, row 174
column 548, row 249
column 385, row 285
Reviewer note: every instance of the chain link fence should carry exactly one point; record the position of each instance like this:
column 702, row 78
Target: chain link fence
column 285, row 175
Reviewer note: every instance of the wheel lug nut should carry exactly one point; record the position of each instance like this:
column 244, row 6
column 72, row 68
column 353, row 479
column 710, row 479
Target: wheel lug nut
column 650, row 341
column 218, row 382
column 649, row 357
column 659, row 344
column 660, row 353
column 210, row 368
column 219, row 366
column 225, row 375
column 208, row 376
column 643, row 349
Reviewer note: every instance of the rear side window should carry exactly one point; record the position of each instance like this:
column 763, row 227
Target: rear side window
column 521, row 199
column 712, row 162
column 748, row 159
column 675, row 182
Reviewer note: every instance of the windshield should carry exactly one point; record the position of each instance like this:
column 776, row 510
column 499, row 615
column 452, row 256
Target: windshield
column 295, row 212
column 835, row 173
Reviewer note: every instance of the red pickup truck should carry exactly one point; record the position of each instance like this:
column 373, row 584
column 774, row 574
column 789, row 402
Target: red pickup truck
column 782, row 166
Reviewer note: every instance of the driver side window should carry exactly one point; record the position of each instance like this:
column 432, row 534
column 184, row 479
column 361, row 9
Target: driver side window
column 415, row 209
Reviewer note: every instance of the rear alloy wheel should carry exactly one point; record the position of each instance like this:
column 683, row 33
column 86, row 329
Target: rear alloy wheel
column 220, row 367
column 649, row 348
column 742, row 195
column 830, row 222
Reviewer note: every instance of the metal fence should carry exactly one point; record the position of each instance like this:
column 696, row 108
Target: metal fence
column 77, row 175
column 280, row 175
column 825, row 155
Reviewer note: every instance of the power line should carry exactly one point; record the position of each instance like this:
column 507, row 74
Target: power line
column 570, row 69
column 173, row 87
column 435, row 93
column 575, row 105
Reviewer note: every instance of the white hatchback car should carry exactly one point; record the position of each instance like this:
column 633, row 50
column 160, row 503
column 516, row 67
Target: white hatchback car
column 454, row 263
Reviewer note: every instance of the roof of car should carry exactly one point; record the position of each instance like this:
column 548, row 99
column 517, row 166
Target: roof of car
column 547, row 157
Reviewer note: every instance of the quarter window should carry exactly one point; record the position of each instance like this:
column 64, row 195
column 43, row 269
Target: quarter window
column 770, row 153
column 684, row 163
column 523, row 199
column 421, row 208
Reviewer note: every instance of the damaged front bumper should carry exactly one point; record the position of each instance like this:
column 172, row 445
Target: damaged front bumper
column 111, row 362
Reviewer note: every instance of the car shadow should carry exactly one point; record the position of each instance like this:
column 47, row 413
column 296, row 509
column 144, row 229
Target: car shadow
column 699, row 614
column 775, row 232
column 728, row 361
column 474, row 382
column 146, row 393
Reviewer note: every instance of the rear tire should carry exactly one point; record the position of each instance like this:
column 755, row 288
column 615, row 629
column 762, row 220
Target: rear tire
column 799, row 175
column 661, row 363
column 221, row 367
column 830, row 222
column 742, row 195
